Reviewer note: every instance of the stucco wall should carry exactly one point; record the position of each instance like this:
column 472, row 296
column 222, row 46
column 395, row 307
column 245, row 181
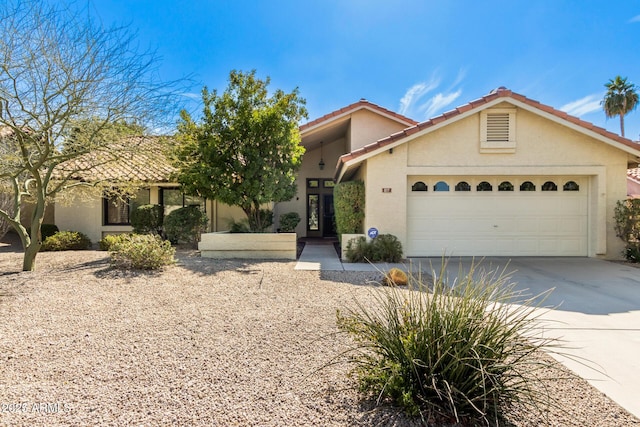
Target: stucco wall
column 543, row 148
column 367, row 127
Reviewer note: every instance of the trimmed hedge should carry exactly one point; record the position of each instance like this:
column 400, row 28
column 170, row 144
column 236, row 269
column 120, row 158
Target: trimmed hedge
column 185, row 224
column 348, row 202
column 147, row 219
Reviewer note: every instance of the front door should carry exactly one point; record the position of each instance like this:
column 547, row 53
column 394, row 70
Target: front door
column 320, row 212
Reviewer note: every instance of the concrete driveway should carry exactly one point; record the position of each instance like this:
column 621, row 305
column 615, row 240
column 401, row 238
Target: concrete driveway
column 596, row 313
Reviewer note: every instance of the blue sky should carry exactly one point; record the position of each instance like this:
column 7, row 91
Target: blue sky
column 417, row 57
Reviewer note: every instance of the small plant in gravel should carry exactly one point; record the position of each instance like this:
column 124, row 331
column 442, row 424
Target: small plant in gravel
column 142, row 252
column 457, row 352
column 66, row 241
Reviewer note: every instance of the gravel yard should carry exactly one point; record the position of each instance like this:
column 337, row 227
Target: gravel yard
column 205, row 342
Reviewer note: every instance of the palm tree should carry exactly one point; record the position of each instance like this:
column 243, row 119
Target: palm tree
column 621, row 98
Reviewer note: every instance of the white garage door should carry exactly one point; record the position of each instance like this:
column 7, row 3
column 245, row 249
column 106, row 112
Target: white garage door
column 510, row 216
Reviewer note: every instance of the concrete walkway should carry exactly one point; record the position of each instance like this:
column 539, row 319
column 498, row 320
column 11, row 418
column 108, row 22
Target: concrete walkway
column 594, row 309
column 323, row 257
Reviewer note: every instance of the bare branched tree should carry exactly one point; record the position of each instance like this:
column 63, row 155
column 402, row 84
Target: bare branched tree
column 58, row 68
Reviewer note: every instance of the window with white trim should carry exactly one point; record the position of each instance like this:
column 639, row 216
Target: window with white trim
column 498, row 130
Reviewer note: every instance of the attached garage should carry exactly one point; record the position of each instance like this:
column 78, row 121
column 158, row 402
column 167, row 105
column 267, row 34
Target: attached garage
column 503, row 175
column 504, row 216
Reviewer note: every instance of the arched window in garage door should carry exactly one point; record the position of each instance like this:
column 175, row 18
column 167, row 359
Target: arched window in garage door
column 570, row 186
column 527, row 186
column 441, row 186
column 463, row 186
column 505, row 186
column 549, row 186
column 419, row 186
column 484, row 186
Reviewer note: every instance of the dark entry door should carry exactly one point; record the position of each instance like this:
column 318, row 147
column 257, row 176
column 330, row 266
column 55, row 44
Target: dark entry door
column 328, row 216
column 320, row 211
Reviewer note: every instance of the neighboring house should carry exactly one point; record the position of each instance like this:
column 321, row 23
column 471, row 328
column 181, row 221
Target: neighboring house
column 633, row 183
column 146, row 168
column 502, row 175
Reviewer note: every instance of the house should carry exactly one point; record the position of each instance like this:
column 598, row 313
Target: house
column 633, row 183
column 502, row 175
column 148, row 171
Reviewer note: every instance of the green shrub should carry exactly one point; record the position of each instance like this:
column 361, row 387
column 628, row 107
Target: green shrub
column 348, row 202
column 147, row 219
column 66, row 241
column 459, row 351
column 109, row 240
column 627, row 219
column 359, row 250
column 387, row 248
column 142, row 252
column 185, row 225
column 384, row 248
column 48, row 230
column 289, row 221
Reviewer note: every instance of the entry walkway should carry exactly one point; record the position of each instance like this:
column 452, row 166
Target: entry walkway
column 323, row 257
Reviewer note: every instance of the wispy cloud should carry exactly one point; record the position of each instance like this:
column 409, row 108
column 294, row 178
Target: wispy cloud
column 582, row 106
column 439, row 102
column 415, row 103
column 635, row 19
column 415, row 93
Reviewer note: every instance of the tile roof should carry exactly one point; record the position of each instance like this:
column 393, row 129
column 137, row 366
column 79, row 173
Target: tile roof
column 138, row 159
column 494, row 95
column 363, row 103
column 634, row 174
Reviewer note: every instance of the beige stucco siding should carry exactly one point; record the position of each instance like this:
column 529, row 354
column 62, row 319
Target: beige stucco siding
column 367, row 127
column 543, row 148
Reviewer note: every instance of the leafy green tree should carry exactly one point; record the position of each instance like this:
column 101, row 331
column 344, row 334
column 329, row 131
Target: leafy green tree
column 620, row 99
column 245, row 151
column 59, row 68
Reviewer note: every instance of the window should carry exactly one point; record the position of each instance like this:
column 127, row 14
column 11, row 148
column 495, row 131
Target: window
column 328, row 183
column 313, row 215
column 313, row 183
column 498, row 130
column 505, row 186
column 484, row 186
column 463, row 186
column 172, row 199
column 527, row 186
column 441, row 186
column 117, row 207
column 570, row 186
column 419, row 186
column 549, row 186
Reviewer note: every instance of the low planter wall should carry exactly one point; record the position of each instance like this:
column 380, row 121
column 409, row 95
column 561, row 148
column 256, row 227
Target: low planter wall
column 344, row 241
column 248, row 245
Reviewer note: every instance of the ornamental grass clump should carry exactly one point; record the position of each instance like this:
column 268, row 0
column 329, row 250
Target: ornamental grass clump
column 142, row 252
column 462, row 351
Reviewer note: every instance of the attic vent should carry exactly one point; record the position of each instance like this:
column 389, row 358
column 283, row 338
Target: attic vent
column 498, row 127
column 498, row 130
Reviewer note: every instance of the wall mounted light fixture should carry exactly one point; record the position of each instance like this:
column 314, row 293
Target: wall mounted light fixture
column 321, row 163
